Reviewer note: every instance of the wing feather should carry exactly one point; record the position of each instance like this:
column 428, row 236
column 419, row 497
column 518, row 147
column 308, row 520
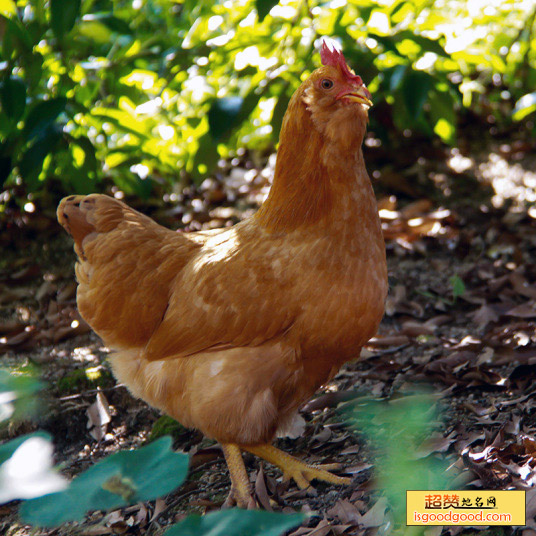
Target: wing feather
column 230, row 294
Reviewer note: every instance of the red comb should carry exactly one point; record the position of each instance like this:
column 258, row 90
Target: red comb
column 330, row 54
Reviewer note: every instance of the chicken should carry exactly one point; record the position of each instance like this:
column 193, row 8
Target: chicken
column 230, row 332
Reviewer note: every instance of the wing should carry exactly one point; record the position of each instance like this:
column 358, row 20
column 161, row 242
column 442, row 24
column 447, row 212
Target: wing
column 234, row 292
column 126, row 268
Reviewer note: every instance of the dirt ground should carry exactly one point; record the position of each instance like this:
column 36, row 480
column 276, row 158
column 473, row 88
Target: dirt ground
column 460, row 322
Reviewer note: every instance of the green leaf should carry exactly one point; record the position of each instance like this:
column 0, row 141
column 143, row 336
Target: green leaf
column 63, row 16
column 264, row 6
column 397, row 430
column 7, row 449
column 6, row 165
column 426, row 44
column 206, row 155
column 112, row 22
column 8, row 8
column 279, row 113
column 124, row 478
column 445, row 130
column 415, row 89
column 81, row 175
column 396, row 8
column 38, row 477
column 42, row 115
column 524, row 106
column 17, row 395
column 397, row 75
column 13, row 97
column 443, row 114
column 458, row 286
column 31, row 162
column 236, row 522
column 223, row 116
column 228, row 113
column 16, row 38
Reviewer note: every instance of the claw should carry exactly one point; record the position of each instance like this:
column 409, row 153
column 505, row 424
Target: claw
column 302, row 473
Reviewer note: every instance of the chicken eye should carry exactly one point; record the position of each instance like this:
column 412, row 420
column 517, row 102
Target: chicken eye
column 326, row 83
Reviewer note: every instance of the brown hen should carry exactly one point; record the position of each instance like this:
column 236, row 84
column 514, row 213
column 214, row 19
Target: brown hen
column 230, row 332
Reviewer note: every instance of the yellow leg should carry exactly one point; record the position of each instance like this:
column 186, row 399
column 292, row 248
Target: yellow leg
column 240, row 487
column 299, row 471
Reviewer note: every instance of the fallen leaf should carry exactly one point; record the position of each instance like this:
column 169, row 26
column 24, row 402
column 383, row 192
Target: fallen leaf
column 99, row 416
column 375, row 517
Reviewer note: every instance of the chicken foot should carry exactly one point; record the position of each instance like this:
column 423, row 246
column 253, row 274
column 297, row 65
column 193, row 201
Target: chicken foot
column 240, row 494
column 302, row 473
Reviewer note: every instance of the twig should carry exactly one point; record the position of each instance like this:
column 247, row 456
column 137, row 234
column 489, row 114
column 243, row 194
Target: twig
column 92, row 392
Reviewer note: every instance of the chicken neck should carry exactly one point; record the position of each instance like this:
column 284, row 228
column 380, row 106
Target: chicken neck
column 318, row 177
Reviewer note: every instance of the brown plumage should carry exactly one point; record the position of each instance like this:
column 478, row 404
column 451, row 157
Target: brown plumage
column 230, row 332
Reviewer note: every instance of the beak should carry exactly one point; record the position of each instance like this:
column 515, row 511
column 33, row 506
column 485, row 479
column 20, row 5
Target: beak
column 361, row 95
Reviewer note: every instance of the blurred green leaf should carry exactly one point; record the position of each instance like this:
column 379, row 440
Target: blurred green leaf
column 83, row 173
column 16, row 39
column 458, row 286
column 18, row 392
column 8, row 8
column 31, row 162
column 236, row 523
column 443, row 114
column 227, row 113
column 445, row 130
column 524, row 106
column 123, row 478
column 206, row 155
column 6, row 165
column 264, row 7
column 223, row 116
column 398, row 430
column 13, row 97
column 42, row 115
column 7, row 449
column 415, row 87
column 278, row 114
column 26, row 468
column 396, row 76
column 426, row 44
column 63, row 16
column 115, row 24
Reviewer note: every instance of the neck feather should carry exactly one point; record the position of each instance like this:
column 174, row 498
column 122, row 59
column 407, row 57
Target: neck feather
column 312, row 174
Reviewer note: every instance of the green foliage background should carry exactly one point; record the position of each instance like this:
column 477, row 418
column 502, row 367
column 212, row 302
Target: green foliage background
column 146, row 92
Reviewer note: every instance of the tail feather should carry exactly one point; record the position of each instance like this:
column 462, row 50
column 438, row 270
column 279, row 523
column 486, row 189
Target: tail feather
column 73, row 218
column 82, row 215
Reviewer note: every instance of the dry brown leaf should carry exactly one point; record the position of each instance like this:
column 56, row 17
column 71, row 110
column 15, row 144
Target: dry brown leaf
column 260, row 490
column 346, row 512
column 381, row 341
column 417, row 208
column 522, row 311
column 359, row 468
column 99, row 416
column 96, row 530
column 159, row 507
column 375, row 517
column 329, row 400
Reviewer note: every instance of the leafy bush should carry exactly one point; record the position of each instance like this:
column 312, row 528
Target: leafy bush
column 153, row 91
